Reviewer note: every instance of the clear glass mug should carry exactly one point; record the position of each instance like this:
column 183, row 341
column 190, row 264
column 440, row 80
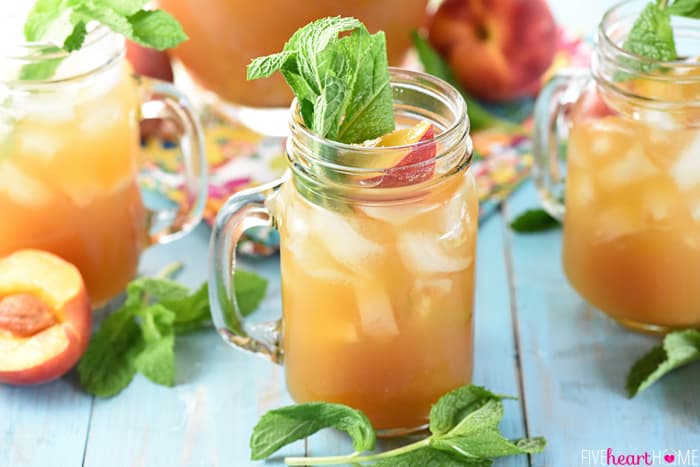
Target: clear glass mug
column 69, row 160
column 627, row 140
column 377, row 281
column 225, row 35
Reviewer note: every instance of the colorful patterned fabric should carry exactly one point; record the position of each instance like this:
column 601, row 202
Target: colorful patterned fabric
column 240, row 158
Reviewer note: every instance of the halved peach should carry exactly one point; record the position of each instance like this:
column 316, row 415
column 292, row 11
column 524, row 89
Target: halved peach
column 45, row 317
column 414, row 171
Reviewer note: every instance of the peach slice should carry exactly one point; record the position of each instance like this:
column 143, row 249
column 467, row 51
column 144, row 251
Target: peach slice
column 45, row 317
column 414, row 172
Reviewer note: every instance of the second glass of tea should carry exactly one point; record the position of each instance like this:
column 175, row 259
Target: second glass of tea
column 377, row 264
column 630, row 138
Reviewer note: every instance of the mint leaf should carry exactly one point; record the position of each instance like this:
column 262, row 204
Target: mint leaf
column 39, row 71
column 429, row 457
column 107, row 366
column 456, row 406
column 488, row 443
column 651, row 36
column 280, row 427
column 153, row 289
column 156, row 361
column 250, row 290
column 678, row 349
column 534, row 220
column 156, row 29
column 64, row 23
column 687, row 8
column 342, row 84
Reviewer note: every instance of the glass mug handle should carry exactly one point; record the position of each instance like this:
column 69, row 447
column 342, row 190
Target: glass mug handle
column 241, row 212
column 162, row 100
column 551, row 130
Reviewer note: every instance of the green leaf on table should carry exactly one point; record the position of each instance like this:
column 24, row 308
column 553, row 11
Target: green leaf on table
column 534, row 220
column 458, row 405
column 488, row 443
column 430, row 457
column 686, row 8
column 341, row 83
column 433, row 63
column 140, row 336
column 679, row 348
column 107, row 366
column 279, row 427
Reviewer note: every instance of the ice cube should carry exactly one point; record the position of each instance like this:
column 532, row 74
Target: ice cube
column 694, row 208
column 376, row 312
column 424, row 254
column 97, row 118
column 20, row 187
column 658, row 118
column 343, row 240
column 425, row 292
column 686, row 170
column 395, row 215
column 45, row 108
column 39, row 145
column 616, row 222
column 659, row 204
column 601, row 145
column 631, row 167
column 581, row 190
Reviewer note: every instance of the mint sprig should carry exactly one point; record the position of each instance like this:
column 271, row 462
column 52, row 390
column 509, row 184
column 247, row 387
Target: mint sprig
column 678, row 349
column 63, row 23
column 652, row 35
column 463, row 425
column 342, row 83
column 140, row 336
column 534, row 220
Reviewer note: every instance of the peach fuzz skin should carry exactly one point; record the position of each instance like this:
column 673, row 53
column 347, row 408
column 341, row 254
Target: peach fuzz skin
column 50, row 353
column 498, row 49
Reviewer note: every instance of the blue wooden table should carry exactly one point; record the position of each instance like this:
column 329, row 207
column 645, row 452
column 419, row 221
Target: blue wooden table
column 535, row 338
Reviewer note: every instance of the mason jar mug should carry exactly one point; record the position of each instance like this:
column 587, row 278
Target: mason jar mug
column 377, row 263
column 626, row 139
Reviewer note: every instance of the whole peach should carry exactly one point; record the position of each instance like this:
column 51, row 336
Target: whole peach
column 498, row 49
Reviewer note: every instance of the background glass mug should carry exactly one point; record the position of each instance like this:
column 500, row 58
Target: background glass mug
column 69, row 160
column 377, row 281
column 632, row 165
column 225, row 35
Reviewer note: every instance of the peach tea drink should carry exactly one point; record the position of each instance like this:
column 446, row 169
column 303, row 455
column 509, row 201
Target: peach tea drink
column 632, row 221
column 69, row 160
column 377, row 261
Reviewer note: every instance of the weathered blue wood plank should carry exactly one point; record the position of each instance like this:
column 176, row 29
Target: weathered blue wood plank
column 574, row 364
column 206, row 420
column 494, row 354
column 43, row 425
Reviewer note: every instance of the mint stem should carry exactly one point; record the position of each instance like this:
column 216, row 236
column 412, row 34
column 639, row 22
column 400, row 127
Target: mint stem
column 663, row 4
column 355, row 458
column 170, row 270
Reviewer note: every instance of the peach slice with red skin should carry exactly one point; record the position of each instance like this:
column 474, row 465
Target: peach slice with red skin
column 45, row 317
column 419, row 162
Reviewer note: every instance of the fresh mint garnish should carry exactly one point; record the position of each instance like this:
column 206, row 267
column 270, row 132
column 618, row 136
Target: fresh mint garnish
column 534, row 220
column 463, row 423
column 63, row 23
column 140, row 336
column 652, row 36
column 342, row 83
column 678, row 349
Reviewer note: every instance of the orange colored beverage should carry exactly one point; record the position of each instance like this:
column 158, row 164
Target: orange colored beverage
column 68, row 167
column 632, row 229
column 391, row 285
column 224, row 35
